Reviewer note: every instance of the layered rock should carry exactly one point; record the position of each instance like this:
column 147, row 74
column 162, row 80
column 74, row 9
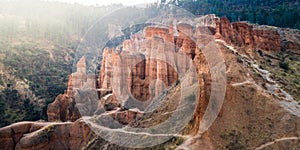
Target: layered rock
column 140, row 57
column 63, row 109
column 65, row 106
column 44, row 135
column 134, row 76
column 79, row 79
column 243, row 34
column 145, row 67
column 165, row 33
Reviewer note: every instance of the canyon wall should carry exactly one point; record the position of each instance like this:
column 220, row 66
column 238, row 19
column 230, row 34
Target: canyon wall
column 147, row 65
column 243, row 34
column 150, row 62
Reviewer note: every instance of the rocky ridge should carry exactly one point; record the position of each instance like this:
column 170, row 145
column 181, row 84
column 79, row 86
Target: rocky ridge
column 149, row 74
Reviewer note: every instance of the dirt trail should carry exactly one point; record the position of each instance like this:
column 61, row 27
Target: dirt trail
column 275, row 141
column 286, row 100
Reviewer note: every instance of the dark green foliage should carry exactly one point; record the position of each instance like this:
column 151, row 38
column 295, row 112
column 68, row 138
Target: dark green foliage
column 31, row 113
column 233, row 139
column 261, row 53
column 39, row 41
column 284, row 65
column 239, row 59
column 127, row 33
column 281, row 13
column 13, row 108
column 35, row 39
column 3, row 121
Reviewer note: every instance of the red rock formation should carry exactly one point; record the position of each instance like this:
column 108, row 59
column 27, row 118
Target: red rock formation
column 184, row 39
column 64, row 106
column 243, row 34
column 79, row 79
column 200, row 30
column 142, row 70
column 70, row 86
column 44, row 135
column 146, row 66
column 166, row 33
column 125, row 117
column 154, row 61
column 63, row 109
column 267, row 39
column 106, row 69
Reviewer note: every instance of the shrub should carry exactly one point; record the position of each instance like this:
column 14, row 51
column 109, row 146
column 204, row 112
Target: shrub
column 284, row 65
column 261, row 53
column 239, row 59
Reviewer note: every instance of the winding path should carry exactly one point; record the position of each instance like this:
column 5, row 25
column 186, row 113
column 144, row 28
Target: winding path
column 277, row 140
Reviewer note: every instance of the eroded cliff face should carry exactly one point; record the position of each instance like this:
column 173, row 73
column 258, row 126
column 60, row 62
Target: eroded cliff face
column 145, row 67
column 63, row 109
column 243, row 34
column 251, row 117
column 45, row 135
column 149, row 64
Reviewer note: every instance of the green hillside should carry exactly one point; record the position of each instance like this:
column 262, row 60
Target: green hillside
column 38, row 43
column 280, row 13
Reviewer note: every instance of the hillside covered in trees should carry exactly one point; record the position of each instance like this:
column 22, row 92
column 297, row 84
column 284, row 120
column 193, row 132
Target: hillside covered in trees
column 38, row 42
column 280, row 13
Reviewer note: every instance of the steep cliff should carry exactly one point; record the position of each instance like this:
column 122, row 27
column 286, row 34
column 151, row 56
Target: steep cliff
column 140, row 85
column 245, row 35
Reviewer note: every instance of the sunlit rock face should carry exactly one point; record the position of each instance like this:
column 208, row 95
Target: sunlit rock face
column 147, row 66
column 243, row 34
column 79, row 79
column 44, row 135
column 80, row 95
column 63, row 109
column 150, row 62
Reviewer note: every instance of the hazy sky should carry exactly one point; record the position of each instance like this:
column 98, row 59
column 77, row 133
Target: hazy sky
column 107, row 2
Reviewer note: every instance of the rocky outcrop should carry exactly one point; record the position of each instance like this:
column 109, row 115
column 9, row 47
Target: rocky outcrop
column 45, row 135
column 243, row 34
column 290, row 39
column 12, row 134
column 65, row 106
column 63, row 109
column 132, row 77
column 145, row 67
column 79, row 79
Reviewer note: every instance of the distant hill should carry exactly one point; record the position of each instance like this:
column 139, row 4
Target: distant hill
column 280, row 13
